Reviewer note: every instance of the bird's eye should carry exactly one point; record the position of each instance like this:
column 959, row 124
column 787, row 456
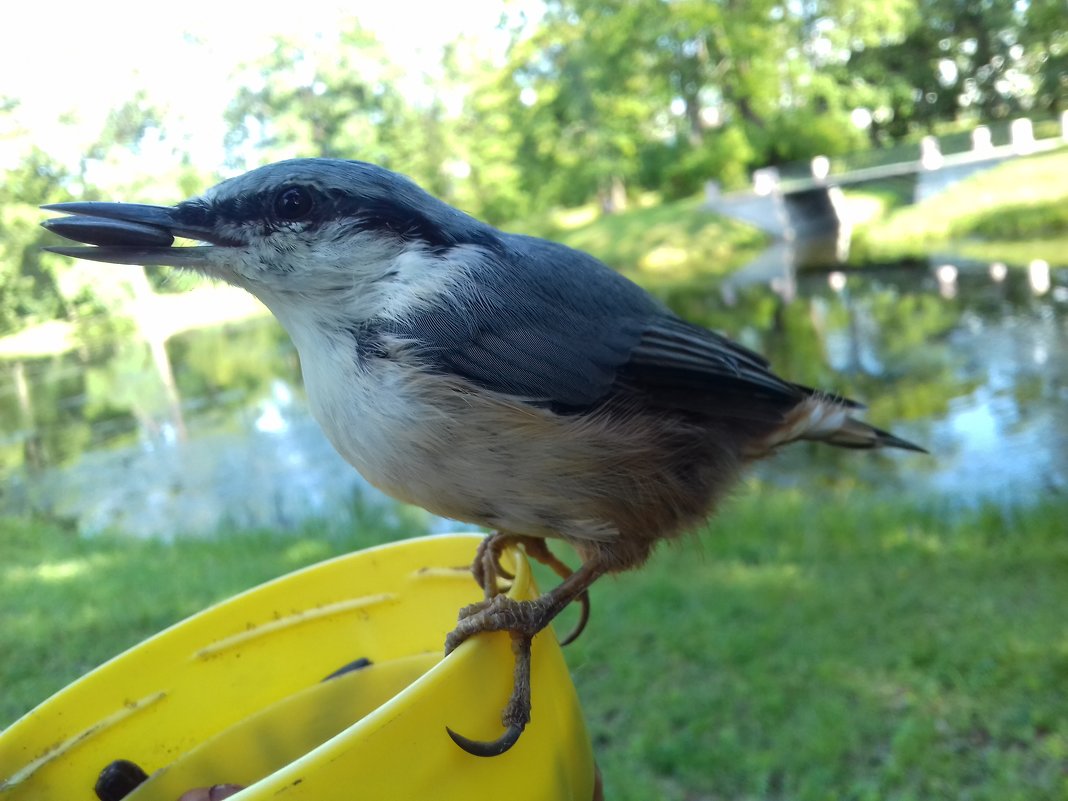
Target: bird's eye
column 293, row 203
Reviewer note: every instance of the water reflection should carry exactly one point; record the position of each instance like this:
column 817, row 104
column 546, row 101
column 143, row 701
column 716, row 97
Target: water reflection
column 978, row 374
column 108, row 452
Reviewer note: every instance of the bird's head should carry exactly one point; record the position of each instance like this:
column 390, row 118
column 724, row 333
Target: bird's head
column 337, row 237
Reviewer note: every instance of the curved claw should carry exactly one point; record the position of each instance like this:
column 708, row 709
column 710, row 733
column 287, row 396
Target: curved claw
column 487, row 748
column 504, row 574
column 584, row 617
column 496, row 544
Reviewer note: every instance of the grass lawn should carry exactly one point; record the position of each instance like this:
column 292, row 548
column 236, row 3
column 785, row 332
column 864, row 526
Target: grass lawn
column 833, row 647
column 1009, row 213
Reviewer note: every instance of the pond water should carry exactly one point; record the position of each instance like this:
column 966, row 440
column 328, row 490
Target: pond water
column 969, row 360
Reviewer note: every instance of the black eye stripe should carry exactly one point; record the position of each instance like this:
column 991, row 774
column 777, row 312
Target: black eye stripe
column 316, row 206
column 393, row 217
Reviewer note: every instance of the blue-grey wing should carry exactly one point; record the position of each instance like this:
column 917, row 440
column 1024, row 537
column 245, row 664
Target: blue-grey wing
column 682, row 366
column 553, row 326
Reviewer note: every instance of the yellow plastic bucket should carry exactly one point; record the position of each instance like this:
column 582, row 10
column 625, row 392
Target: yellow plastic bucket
column 236, row 694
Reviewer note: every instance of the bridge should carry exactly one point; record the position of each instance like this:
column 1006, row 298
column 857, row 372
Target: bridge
column 803, row 208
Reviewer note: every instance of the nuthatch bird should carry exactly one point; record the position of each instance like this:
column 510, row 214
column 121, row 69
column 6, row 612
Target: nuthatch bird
column 498, row 379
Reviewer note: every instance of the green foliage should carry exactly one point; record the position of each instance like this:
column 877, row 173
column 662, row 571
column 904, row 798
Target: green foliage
column 340, row 97
column 327, row 98
column 581, row 98
column 724, row 156
column 945, row 59
column 802, row 133
column 1045, row 39
column 29, row 278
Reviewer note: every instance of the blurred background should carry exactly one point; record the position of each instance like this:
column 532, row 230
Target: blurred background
column 874, row 193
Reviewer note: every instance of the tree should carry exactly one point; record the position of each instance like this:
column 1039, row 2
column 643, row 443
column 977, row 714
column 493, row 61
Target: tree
column 483, row 139
column 335, row 98
column 580, row 96
column 980, row 60
column 709, row 88
column 29, row 287
column 1043, row 39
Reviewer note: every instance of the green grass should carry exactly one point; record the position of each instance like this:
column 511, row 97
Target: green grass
column 1020, row 205
column 1017, row 222
column 836, row 648
column 833, row 647
column 660, row 245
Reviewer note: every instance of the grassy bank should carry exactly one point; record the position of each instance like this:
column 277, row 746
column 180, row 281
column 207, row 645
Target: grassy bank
column 1013, row 213
column 808, row 648
column 659, row 245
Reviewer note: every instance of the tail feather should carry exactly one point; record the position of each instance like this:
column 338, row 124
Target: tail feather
column 824, row 418
column 855, row 433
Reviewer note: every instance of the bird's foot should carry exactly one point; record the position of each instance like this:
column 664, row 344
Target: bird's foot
column 523, row 619
column 538, row 550
column 487, row 570
column 500, row 613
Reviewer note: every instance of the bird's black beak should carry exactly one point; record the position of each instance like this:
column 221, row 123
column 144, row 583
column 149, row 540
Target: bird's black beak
column 130, row 233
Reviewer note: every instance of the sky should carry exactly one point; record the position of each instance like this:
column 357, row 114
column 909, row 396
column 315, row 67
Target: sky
column 82, row 59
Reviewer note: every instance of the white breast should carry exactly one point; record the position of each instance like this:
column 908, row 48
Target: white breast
column 367, row 411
